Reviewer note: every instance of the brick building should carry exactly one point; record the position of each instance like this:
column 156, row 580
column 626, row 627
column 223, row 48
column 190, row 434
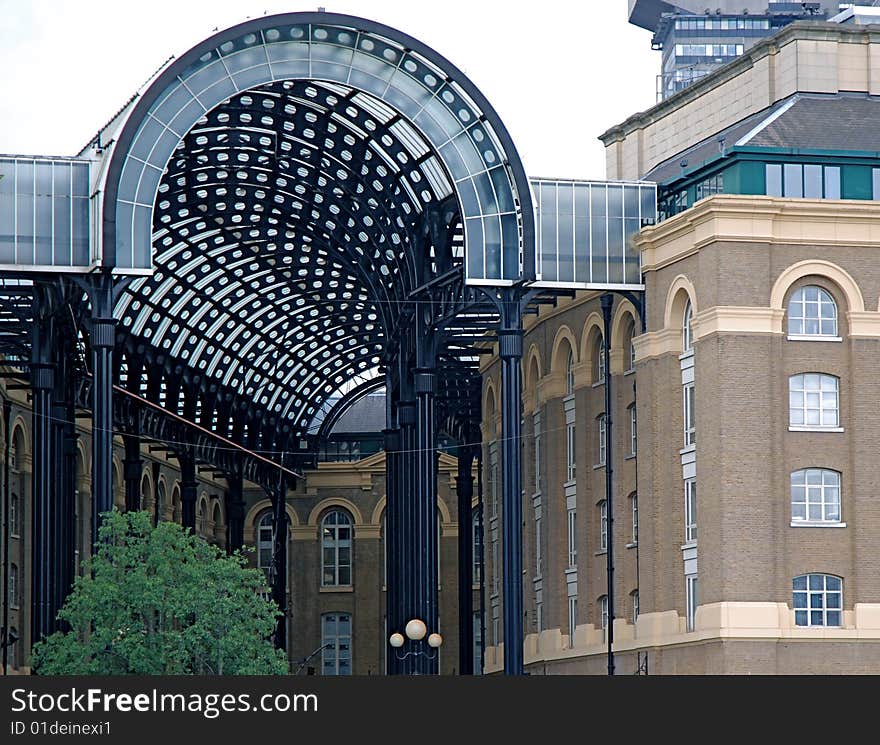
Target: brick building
column 743, row 466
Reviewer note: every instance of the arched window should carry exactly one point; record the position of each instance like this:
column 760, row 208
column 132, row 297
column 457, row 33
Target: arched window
column 628, row 346
column 813, row 401
column 13, row 585
column 476, row 526
column 336, row 644
column 817, row 600
column 265, row 544
column 219, row 528
column 336, row 543
column 569, row 374
column 599, row 356
column 812, row 312
column 815, row 495
column 687, row 329
column 203, row 519
column 176, row 513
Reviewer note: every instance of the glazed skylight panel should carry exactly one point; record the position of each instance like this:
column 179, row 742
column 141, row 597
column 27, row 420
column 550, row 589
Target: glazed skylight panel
column 402, row 84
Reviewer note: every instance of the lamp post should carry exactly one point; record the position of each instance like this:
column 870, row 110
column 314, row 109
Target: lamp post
column 415, row 631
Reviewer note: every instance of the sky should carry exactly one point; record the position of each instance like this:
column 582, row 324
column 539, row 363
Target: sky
column 558, row 73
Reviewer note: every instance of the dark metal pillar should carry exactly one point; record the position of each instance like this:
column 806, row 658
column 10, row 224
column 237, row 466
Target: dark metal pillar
column 481, row 527
column 510, row 343
column 43, row 608
column 393, row 612
column 59, row 500
column 132, row 470
column 188, row 489
column 426, row 514
column 279, row 562
column 406, row 413
column 234, row 512
column 102, row 338
column 7, row 445
column 607, row 302
column 68, row 519
column 464, row 487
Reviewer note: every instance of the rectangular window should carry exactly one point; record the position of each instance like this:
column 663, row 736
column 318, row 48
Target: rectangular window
column 690, row 510
column 572, row 618
column 536, row 430
column 494, row 567
column 774, row 180
column 690, row 419
column 712, row 185
column 691, row 599
column 792, row 180
column 635, row 511
column 538, row 547
column 336, row 656
column 832, row 182
column 635, row 606
column 875, row 179
column 603, row 609
column 632, row 430
column 603, row 525
column 478, row 645
column 539, row 616
column 571, row 453
column 493, row 479
column 572, row 538
column 601, row 440
column 476, row 525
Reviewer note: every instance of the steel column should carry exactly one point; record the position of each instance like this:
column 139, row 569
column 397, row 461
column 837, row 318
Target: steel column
column 426, row 515
column 510, row 344
column 43, row 608
column 7, row 445
column 607, row 301
column 102, row 339
column 188, row 489
column 132, row 470
column 279, row 562
column 406, row 412
column 464, row 489
column 393, row 611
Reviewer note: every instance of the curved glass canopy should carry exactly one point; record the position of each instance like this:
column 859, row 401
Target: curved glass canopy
column 284, row 234
column 411, row 87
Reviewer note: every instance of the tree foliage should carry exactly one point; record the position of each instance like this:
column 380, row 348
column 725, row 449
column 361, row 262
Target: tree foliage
column 161, row 601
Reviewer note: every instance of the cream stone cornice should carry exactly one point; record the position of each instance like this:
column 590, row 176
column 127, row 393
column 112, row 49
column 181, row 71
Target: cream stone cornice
column 657, row 343
column 863, row 323
column 737, row 319
column 759, row 219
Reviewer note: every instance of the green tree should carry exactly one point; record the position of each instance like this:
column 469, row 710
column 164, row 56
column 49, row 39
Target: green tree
column 161, row 601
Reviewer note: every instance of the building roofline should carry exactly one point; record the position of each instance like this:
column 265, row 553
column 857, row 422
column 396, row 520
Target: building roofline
column 808, row 30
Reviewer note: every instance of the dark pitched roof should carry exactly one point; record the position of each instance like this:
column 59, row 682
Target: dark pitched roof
column 803, row 121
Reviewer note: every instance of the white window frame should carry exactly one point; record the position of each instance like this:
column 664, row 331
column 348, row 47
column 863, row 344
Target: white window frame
column 264, row 534
column 600, row 422
column 691, row 599
column 633, row 430
column 799, row 307
column 572, row 618
column 687, row 329
column 570, row 452
column 816, row 487
column 690, row 510
column 603, row 612
column 635, row 605
column 14, row 509
column 477, row 538
column 494, row 567
column 603, row 525
column 569, row 374
column 600, row 362
column 330, row 540
column 493, row 479
column 336, row 653
column 539, row 564
column 816, row 585
column 689, row 396
column 635, row 518
column 571, row 522
column 809, row 393
column 13, row 584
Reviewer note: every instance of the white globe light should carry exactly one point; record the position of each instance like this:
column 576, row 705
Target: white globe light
column 416, row 629
column 396, row 640
column 435, row 640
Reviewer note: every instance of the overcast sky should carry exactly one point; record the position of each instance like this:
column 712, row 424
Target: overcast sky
column 558, row 73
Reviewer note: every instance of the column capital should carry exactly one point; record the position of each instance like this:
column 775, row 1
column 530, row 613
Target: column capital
column 510, row 343
column 103, row 333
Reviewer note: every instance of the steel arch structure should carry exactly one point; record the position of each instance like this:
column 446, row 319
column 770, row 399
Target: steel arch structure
column 299, row 202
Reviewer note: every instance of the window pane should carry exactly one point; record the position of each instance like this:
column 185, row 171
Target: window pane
column 816, row 581
column 833, row 583
column 800, row 583
column 792, row 180
column 800, row 600
column 813, row 181
column 832, row 182
column 774, row 180
column 816, row 618
column 833, row 618
column 800, row 618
